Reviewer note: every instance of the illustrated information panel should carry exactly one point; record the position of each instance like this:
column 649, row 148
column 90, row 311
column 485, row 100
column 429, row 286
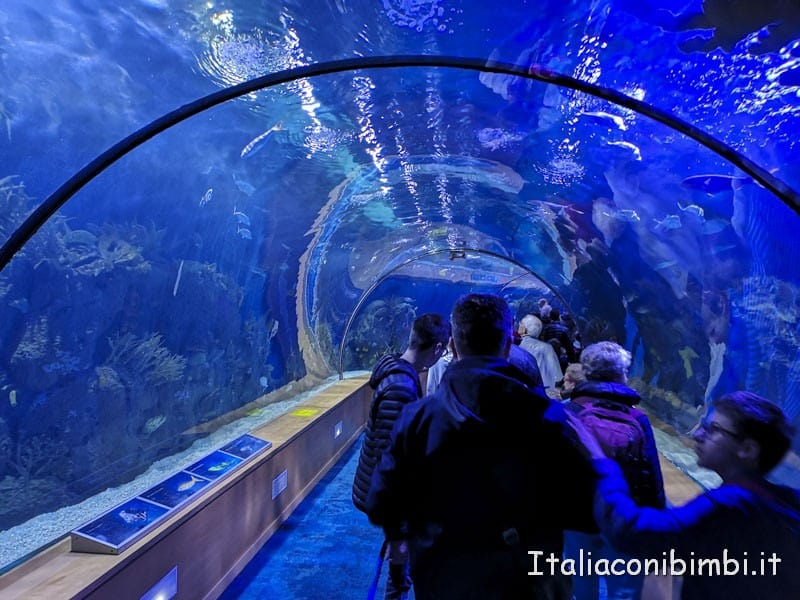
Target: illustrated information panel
column 118, row 528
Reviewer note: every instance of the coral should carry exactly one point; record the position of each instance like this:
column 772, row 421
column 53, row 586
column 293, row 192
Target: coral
column 14, row 204
column 34, row 342
column 383, row 327
column 138, row 360
column 65, row 364
column 88, row 253
column 773, row 306
column 107, row 379
column 34, row 455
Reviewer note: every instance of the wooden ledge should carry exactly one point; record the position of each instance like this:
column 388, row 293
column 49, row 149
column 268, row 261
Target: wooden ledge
column 216, row 534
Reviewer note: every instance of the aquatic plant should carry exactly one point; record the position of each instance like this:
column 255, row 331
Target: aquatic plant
column 138, row 360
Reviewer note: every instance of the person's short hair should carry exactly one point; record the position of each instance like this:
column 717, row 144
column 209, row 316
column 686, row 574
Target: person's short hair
column 575, row 372
column 481, row 325
column 760, row 420
column 532, row 325
column 555, row 315
column 428, row 330
column 606, row 361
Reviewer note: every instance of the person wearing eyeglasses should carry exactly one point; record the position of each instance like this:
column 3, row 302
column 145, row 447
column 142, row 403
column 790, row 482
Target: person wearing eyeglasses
column 738, row 541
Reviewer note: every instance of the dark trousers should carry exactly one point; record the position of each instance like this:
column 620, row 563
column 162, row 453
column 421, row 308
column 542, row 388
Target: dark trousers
column 399, row 581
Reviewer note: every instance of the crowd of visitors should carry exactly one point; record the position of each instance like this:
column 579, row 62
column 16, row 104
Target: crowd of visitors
column 528, row 470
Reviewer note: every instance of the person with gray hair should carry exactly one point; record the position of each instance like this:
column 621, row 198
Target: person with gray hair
column 550, row 368
column 606, row 405
column 606, row 361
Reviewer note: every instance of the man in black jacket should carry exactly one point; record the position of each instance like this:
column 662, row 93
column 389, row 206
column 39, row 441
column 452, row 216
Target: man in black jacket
column 483, row 472
column 395, row 381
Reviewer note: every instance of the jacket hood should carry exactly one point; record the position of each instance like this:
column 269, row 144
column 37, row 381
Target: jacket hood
column 607, row 390
column 389, row 364
column 486, row 388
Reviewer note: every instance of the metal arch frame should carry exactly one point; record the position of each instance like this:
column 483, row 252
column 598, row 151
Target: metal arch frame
column 381, row 278
column 537, row 72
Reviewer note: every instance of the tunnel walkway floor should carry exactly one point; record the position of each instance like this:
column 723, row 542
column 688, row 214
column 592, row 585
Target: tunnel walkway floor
column 325, row 549
column 329, row 550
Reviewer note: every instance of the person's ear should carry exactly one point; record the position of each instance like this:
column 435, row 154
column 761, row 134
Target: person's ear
column 452, row 345
column 749, row 450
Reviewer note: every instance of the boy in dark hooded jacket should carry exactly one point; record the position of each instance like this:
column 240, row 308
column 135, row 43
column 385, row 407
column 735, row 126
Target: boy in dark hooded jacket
column 395, row 381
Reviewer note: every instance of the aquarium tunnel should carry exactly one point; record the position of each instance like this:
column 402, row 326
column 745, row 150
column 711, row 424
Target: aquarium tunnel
column 209, row 209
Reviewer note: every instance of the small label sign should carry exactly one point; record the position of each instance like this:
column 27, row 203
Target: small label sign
column 279, row 484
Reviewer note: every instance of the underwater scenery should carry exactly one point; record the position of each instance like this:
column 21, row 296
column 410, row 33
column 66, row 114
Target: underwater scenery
column 183, row 248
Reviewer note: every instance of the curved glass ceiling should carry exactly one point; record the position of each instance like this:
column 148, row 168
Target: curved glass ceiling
column 214, row 269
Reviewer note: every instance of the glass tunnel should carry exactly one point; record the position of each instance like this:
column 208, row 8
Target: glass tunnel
column 210, row 208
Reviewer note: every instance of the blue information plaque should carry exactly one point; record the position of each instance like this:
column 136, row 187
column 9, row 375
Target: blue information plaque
column 214, row 465
column 123, row 523
column 121, row 526
column 246, row 446
column 176, row 490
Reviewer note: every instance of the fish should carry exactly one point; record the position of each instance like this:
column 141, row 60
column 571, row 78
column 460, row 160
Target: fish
column 713, row 226
column 668, row 222
column 715, row 184
column 763, row 27
column 494, row 138
column 244, row 186
column 206, row 197
column 637, row 154
column 241, row 218
column 692, row 209
column 603, row 117
column 258, row 142
column 687, row 354
column 628, row 214
column 187, row 485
